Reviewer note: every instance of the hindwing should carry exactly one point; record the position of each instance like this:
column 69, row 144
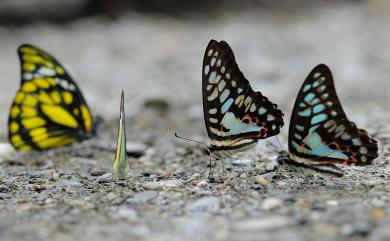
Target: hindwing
column 320, row 132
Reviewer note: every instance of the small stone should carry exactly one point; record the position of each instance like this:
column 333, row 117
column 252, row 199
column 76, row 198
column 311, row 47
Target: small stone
column 378, row 214
column 143, row 197
column 271, row 165
column 135, row 149
column 4, row 196
column 261, row 180
column 255, row 194
column 268, row 223
column 271, row 203
column 243, row 175
column 126, row 213
column 332, row 203
column 96, row 171
column 202, row 183
column 69, row 183
column 205, row 204
column 242, row 162
column 46, row 174
column 378, row 203
column 159, row 185
column 6, row 149
column 105, row 178
column 386, row 170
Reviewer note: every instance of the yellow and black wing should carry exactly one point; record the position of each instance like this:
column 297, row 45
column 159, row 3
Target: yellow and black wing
column 48, row 110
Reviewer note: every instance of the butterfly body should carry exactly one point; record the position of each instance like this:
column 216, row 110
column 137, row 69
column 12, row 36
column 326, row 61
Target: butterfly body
column 48, row 110
column 236, row 117
column 320, row 132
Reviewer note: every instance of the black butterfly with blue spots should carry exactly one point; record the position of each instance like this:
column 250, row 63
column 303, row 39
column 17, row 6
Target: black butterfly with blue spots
column 320, row 133
column 236, row 117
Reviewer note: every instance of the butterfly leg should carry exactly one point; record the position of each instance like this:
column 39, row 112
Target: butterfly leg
column 223, row 166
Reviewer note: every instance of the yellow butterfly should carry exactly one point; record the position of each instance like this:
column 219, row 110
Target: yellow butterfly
column 48, row 110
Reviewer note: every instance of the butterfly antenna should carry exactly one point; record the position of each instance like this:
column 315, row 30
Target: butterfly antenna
column 199, row 142
column 188, row 139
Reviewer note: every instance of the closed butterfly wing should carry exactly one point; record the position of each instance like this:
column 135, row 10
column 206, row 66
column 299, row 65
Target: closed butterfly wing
column 48, row 110
column 320, row 132
column 236, row 117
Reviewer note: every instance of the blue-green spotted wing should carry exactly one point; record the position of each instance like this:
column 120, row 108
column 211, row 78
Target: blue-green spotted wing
column 320, row 132
column 236, row 117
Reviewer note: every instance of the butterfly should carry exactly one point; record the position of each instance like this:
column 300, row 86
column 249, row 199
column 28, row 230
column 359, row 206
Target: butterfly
column 236, row 117
column 48, row 110
column 121, row 164
column 320, row 133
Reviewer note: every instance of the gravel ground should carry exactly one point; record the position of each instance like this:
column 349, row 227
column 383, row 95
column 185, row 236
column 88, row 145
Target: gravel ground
column 68, row 193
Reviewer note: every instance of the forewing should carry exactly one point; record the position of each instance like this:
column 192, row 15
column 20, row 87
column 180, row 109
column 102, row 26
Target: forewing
column 232, row 110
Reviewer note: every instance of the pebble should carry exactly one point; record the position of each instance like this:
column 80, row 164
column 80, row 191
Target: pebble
column 386, row 170
column 261, row 180
column 46, row 174
column 263, row 224
column 378, row 203
column 159, row 185
column 271, row 165
column 271, row 203
column 242, row 162
column 6, row 149
column 202, row 183
column 69, row 183
column 136, row 148
column 105, row 178
column 96, row 171
column 332, row 203
column 4, row 196
column 126, row 213
column 205, row 204
column 142, row 197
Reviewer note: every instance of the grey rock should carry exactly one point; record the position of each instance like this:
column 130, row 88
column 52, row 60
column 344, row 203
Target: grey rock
column 263, row 224
column 271, row 165
column 138, row 149
column 159, row 185
column 4, row 196
column 271, row 203
column 205, row 204
column 242, row 162
column 105, row 178
column 143, row 197
column 69, row 183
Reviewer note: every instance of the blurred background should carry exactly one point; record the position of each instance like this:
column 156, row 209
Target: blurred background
column 153, row 50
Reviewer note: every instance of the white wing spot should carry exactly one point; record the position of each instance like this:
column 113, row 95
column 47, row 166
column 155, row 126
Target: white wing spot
column 316, row 75
column 219, row 62
column 210, row 52
column 213, row 111
column 213, row 120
